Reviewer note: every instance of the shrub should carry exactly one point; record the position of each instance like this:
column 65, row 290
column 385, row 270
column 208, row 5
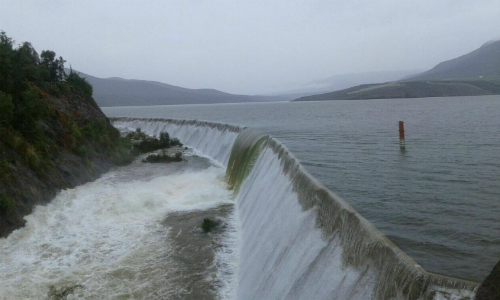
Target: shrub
column 208, row 225
column 163, row 157
column 5, row 171
column 164, row 138
column 175, row 142
column 6, row 109
column 148, row 144
column 137, row 135
column 7, row 205
column 31, row 157
column 81, row 151
column 79, row 83
column 123, row 154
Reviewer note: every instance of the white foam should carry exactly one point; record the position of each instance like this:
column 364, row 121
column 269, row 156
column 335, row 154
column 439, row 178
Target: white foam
column 212, row 139
column 227, row 257
column 107, row 236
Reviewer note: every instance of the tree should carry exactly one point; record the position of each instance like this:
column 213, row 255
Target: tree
column 54, row 66
column 6, row 109
column 6, row 57
column 80, row 83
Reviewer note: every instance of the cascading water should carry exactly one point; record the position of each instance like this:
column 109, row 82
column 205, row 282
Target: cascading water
column 301, row 241
column 296, row 239
column 212, row 139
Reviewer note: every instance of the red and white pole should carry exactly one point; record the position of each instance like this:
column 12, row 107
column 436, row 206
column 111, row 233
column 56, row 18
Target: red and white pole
column 402, row 143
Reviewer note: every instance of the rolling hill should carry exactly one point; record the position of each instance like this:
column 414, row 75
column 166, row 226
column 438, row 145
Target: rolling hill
column 473, row 74
column 413, row 89
column 116, row 91
column 483, row 62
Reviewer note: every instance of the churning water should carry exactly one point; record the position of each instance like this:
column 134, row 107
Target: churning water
column 439, row 201
column 113, row 240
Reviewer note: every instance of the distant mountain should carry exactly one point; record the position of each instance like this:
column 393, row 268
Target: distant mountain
column 116, row 91
column 475, row 73
column 413, row 89
column 343, row 81
column 480, row 63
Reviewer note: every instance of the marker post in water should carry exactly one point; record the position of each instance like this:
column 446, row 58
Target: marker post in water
column 402, row 143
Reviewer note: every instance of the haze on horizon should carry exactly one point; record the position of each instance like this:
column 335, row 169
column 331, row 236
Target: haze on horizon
column 250, row 47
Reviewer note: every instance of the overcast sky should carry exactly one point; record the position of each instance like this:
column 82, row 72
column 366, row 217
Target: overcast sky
column 250, row 46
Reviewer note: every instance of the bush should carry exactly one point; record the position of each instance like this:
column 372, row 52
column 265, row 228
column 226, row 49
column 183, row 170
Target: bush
column 137, row 135
column 149, row 144
column 7, row 205
column 175, row 142
column 163, row 158
column 208, row 225
column 124, row 154
column 6, row 109
column 164, row 138
column 80, row 83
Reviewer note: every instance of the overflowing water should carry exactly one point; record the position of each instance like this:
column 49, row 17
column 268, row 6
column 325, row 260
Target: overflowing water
column 299, row 240
column 438, row 200
column 135, row 233
column 112, row 238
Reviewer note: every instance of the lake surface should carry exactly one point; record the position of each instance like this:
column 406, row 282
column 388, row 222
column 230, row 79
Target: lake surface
column 439, row 200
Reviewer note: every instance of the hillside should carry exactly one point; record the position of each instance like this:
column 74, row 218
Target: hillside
column 480, row 63
column 53, row 134
column 413, row 89
column 130, row 92
column 343, row 81
column 474, row 74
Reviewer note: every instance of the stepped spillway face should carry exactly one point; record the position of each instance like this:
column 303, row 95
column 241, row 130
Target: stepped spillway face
column 298, row 239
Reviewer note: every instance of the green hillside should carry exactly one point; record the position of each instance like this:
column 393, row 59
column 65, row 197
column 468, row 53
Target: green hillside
column 53, row 134
column 413, row 89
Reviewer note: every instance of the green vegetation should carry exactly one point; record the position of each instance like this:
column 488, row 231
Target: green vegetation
column 148, row 144
column 208, row 225
column 141, row 143
column 52, row 133
column 163, row 157
column 414, row 89
column 6, row 205
column 28, row 85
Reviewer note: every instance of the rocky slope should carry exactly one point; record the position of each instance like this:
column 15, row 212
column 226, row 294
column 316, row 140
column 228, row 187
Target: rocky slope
column 52, row 133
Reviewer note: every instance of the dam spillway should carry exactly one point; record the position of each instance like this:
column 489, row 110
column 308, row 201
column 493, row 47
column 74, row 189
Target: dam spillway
column 298, row 239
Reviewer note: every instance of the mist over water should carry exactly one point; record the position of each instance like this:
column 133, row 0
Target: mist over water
column 110, row 236
column 438, row 200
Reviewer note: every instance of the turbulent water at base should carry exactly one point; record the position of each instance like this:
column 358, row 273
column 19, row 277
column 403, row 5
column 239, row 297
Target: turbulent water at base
column 119, row 238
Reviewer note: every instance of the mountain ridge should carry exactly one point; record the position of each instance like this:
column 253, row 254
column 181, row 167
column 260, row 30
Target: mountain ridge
column 483, row 62
column 116, row 91
column 473, row 74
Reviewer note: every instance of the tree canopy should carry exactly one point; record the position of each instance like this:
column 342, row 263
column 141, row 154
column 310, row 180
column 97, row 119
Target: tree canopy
column 26, row 80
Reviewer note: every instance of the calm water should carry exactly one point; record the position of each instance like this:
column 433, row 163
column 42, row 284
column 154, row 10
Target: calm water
column 439, row 200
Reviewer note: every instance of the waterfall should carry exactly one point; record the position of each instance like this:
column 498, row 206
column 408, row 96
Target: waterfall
column 212, row 139
column 298, row 239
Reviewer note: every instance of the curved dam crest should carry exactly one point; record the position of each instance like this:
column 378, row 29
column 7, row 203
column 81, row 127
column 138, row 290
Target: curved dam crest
column 298, row 239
